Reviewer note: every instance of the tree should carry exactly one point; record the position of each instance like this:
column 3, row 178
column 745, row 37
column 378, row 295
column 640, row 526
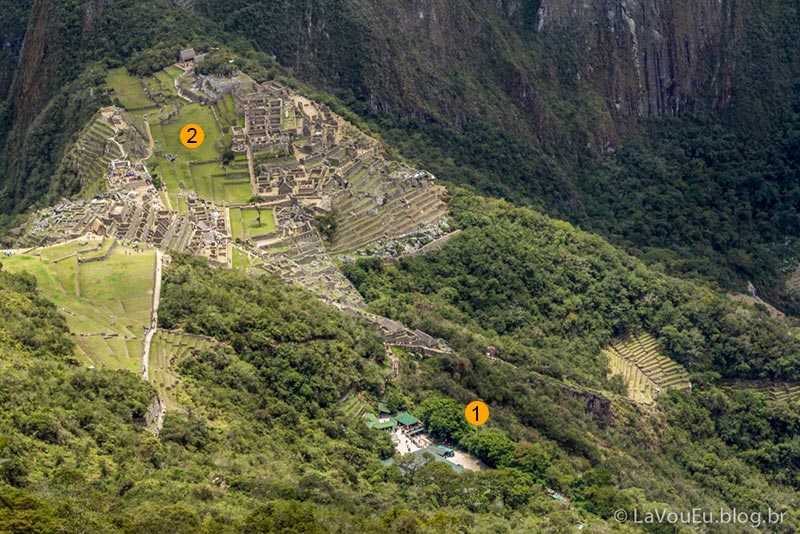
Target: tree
column 327, row 224
column 283, row 517
column 227, row 156
column 444, row 418
column 531, row 458
column 512, row 486
column 491, row 445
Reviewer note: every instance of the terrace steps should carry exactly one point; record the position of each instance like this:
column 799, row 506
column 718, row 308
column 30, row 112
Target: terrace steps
column 646, row 371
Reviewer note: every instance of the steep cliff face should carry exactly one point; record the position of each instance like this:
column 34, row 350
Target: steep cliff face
column 13, row 20
column 43, row 119
column 517, row 62
column 651, row 58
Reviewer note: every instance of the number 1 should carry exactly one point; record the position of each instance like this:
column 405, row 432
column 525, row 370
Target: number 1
column 475, row 409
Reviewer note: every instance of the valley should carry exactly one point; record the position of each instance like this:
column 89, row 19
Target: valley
column 581, row 216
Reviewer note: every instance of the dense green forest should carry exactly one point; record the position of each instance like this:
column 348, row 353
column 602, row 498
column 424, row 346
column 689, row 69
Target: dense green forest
column 261, row 443
column 696, row 194
column 551, row 297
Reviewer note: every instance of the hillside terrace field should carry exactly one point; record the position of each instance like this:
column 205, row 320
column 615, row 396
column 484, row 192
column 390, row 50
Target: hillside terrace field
column 109, row 300
column 178, row 175
column 128, row 89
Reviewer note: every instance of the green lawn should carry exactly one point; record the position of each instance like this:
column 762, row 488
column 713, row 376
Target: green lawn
column 128, row 89
column 244, row 223
column 169, row 174
column 105, row 245
column 182, row 206
column 115, row 294
column 169, row 138
column 152, row 84
column 209, row 183
column 237, row 192
column 240, row 259
column 137, row 120
column 121, row 285
column 174, row 72
column 167, row 83
column 288, row 123
column 203, row 182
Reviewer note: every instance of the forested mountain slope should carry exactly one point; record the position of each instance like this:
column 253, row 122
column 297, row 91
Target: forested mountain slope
column 670, row 129
column 531, row 101
column 262, row 442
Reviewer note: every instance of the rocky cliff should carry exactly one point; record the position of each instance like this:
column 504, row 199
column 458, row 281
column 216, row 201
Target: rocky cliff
column 13, row 20
column 520, row 62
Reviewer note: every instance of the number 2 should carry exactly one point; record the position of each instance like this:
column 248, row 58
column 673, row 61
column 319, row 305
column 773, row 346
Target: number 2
column 194, row 133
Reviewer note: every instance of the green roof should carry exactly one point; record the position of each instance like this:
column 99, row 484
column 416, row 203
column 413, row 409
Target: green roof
column 406, row 419
column 391, row 423
column 382, row 408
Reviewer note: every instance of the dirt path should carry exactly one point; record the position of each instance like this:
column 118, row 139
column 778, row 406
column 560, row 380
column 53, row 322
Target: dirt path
column 394, row 360
column 124, row 155
column 179, row 88
column 151, row 144
column 153, row 327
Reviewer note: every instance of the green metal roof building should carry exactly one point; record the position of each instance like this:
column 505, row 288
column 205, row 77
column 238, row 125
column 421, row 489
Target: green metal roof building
column 406, row 419
column 372, row 422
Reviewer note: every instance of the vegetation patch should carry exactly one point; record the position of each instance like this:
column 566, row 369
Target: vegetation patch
column 128, row 89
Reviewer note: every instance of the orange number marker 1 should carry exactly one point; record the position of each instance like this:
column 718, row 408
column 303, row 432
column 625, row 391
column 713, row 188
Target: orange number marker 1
column 192, row 136
column 477, row 413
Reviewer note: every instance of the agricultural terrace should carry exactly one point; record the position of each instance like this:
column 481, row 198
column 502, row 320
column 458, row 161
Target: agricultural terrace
column 128, row 89
column 179, row 174
column 221, row 185
column 166, row 350
column 106, row 303
column 644, row 368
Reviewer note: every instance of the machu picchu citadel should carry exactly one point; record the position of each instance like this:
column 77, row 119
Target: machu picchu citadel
column 293, row 162
column 282, row 185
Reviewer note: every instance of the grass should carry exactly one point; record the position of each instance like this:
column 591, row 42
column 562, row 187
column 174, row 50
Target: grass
column 244, row 223
column 128, row 89
column 115, row 294
column 174, row 72
column 240, row 259
column 121, row 285
column 288, row 123
column 102, row 251
column 400, row 352
column 169, row 139
column 208, row 183
column 169, row 174
column 237, row 192
column 167, row 83
column 278, row 250
column 203, row 181
column 60, row 251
